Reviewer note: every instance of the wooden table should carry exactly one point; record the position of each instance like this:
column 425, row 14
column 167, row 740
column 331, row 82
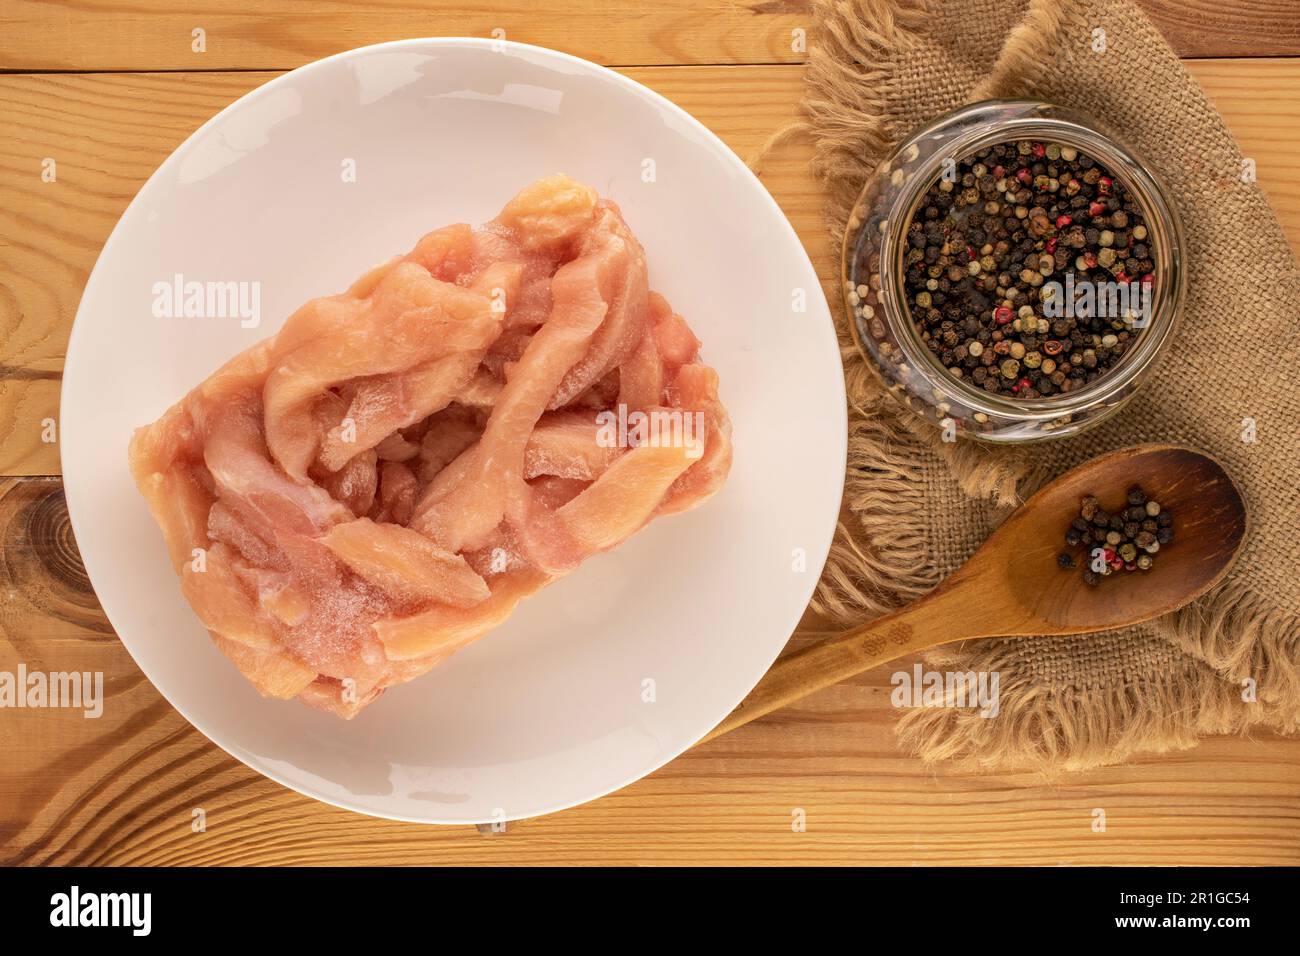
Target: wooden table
column 108, row 89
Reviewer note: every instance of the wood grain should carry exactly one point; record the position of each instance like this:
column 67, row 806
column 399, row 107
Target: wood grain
column 281, row 34
column 1213, row 28
column 122, row 789
column 108, row 132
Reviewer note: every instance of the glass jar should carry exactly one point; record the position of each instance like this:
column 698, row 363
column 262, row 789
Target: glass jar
column 875, row 245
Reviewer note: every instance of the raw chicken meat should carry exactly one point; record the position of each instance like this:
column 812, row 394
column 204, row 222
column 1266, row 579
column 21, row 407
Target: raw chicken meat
column 382, row 482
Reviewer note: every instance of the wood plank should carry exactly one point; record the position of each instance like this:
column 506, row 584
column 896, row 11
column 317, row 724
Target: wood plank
column 121, row 789
column 108, row 132
column 1214, row 28
column 278, row 34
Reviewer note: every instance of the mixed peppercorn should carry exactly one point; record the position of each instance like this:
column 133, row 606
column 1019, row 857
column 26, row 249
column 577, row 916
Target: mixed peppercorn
column 991, row 234
column 1124, row 540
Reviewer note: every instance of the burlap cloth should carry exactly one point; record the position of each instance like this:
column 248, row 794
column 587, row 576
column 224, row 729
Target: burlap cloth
column 916, row 507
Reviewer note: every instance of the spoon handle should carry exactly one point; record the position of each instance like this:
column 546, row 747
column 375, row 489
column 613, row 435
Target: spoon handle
column 936, row 619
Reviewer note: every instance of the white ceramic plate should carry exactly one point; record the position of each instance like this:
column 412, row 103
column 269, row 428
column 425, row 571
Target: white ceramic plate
column 555, row 707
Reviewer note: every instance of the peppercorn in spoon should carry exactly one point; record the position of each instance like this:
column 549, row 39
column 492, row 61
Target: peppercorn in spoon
column 1014, row 586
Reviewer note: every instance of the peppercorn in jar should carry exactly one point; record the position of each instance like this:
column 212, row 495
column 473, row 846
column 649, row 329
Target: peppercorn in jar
column 1012, row 272
column 1004, row 232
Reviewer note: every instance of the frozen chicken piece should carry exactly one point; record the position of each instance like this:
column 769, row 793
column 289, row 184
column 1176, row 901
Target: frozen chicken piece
column 351, row 501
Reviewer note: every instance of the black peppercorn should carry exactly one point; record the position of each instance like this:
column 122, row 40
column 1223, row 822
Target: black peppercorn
column 1126, row 540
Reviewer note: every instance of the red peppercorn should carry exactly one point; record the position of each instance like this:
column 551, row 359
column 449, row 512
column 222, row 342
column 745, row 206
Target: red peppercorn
column 1096, row 208
column 1023, row 384
column 1024, row 175
column 1104, row 184
column 1002, row 315
column 1149, row 279
column 1130, row 566
column 1090, row 259
column 970, row 254
column 1039, row 150
column 1051, row 245
column 1121, row 277
column 1062, row 221
column 999, row 171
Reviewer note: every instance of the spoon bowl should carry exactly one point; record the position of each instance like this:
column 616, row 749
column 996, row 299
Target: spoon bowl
column 1019, row 559
column 1013, row 585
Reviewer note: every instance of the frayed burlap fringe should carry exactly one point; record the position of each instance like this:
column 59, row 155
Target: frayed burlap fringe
column 1244, row 638
column 879, row 559
column 883, row 492
column 1051, row 730
column 848, row 72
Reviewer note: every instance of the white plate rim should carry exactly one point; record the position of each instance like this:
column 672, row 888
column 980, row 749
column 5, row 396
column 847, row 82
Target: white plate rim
column 817, row 297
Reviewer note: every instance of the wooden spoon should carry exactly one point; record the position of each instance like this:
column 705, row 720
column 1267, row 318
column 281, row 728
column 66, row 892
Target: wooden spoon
column 1013, row 586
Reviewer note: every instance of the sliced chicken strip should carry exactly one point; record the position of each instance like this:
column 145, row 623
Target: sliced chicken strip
column 273, row 673
column 571, row 445
column 405, row 564
column 461, row 507
column 625, row 319
column 441, row 630
column 411, row 319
